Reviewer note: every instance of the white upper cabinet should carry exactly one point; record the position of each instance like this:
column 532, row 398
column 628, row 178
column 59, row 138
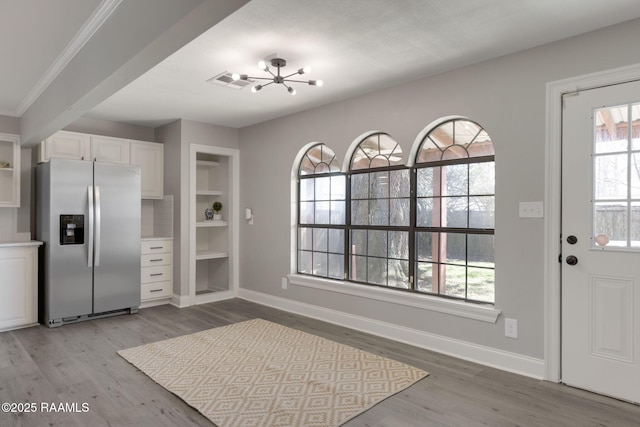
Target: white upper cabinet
column 112, row 150
column 80, row 146
column 9, row 171
column 65, row 145
column 150, row 157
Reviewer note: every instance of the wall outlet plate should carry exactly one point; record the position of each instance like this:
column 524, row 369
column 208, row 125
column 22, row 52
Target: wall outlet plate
column 510, row 328
column 531, row 209
column 285, row 282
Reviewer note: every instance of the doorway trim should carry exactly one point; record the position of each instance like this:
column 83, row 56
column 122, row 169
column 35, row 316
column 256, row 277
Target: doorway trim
column 553, row 192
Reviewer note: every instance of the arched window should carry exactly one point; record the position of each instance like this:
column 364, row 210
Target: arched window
column 426, row 228
column 321, row 214
column 379, row 223
column 455, row 212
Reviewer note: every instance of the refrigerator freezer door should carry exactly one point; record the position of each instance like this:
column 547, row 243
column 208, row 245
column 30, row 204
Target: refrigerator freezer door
column 117, row 259
column 63, row 184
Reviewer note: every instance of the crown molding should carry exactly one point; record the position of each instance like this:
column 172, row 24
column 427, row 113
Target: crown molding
column 95, row 21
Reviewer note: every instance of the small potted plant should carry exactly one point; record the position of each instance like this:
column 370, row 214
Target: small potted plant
column 217, row 207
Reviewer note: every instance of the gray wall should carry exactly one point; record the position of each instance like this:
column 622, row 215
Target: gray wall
column 507, row 97
column 177, row 137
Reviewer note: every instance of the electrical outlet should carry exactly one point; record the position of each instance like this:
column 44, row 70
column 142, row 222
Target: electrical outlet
column 285, row 282
column 511, row 328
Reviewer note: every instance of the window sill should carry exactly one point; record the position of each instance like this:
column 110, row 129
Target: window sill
column 484, row 313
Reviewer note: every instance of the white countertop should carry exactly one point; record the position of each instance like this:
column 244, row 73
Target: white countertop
column 156, row 238
column 10, row 244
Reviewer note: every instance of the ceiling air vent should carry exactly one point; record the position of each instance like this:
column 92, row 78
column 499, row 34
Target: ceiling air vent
column 224, row 79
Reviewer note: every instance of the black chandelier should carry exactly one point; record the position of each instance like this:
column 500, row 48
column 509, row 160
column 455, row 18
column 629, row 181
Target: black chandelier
column 277, row 78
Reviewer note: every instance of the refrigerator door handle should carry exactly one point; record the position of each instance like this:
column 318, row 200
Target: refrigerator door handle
column 97, row 249
column 91, row 211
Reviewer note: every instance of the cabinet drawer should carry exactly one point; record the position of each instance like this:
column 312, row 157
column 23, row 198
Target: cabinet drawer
column 156, row 274
column 151, row 260
column 155, row 290
column 156, row 246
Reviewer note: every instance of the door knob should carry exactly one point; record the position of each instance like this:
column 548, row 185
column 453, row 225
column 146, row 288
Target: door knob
column 572, row 240
column 572, row 260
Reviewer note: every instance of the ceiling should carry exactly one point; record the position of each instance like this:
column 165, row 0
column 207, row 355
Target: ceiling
column 354, row 46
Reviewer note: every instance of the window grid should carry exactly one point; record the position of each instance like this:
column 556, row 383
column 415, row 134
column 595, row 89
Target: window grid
column 366, row 260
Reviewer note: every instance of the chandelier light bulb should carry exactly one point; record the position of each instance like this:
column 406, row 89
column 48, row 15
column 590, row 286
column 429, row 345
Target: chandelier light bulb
column 305, row 69
column 235, row 76
column 319, row 83
column 256, row 88
column 263, row 66
column 292, row 91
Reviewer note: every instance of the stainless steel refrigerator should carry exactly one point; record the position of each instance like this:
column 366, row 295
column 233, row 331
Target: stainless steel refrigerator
column 88, row 216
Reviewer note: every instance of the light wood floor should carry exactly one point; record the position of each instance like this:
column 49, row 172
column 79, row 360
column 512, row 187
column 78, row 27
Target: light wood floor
column 78, row 364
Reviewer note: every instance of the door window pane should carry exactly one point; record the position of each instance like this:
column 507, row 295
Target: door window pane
column 611, row 129
column 610, row 219
column 611, row 176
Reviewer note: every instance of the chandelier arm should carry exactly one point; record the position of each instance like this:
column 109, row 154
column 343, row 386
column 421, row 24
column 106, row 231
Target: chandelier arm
column 298, row 81
column 292, row 74
column 267, row 84
column 259, row 78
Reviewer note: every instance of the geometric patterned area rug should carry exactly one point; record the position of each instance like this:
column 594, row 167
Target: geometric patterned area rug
column 259, row 373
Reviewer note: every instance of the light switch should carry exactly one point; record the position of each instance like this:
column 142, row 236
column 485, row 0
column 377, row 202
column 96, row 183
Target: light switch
column 531, row 210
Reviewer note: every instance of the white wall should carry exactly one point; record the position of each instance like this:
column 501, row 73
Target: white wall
column 507, row 97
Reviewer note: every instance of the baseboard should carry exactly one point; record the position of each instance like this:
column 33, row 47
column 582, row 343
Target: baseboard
column 499, row 359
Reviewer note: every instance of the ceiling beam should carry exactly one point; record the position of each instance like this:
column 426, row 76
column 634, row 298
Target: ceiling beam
column 137, row 36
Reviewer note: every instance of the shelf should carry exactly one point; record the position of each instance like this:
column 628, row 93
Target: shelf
column 207, row 163
column 6, row 169
column 212, row 224
column 211, row 255
column 209, row 193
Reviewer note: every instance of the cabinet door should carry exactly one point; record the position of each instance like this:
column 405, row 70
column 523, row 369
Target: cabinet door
column 67, row 145
column 150, row 157
column 18, row 293
column 112, row 150
column 9, row 171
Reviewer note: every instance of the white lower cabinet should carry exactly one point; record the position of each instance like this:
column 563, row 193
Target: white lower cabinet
column 156, row 273
column 19, row 285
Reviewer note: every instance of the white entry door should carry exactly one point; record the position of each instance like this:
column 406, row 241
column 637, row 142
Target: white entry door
column 601, row 241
